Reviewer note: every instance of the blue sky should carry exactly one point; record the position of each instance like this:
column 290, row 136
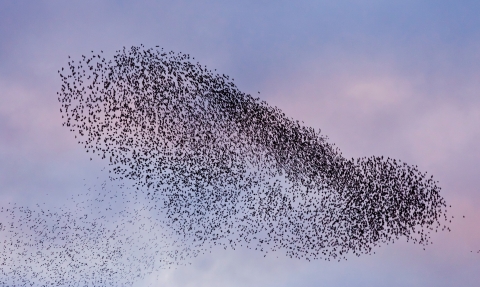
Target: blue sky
column 392, row 78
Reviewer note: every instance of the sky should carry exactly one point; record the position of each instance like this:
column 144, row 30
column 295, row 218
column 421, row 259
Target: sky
column 393, row 78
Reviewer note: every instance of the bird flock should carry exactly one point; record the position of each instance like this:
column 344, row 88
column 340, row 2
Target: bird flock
column 193, row 162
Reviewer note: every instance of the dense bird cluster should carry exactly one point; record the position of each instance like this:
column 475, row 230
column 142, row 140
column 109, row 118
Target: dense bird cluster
column 225, row 165
column 216, row 166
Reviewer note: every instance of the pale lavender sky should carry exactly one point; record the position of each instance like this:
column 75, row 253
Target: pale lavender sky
column 393, row 78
